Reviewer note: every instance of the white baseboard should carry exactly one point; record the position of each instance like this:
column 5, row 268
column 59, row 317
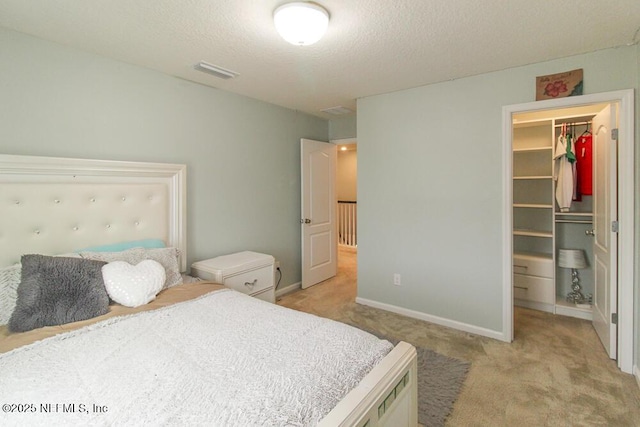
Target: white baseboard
column 636, row 373
column 534, row 305
column 288, row 289
column 465, row 327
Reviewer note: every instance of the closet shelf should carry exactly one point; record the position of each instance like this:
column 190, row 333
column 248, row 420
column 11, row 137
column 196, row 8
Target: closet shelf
column 532, row 233
column 529, row 149
column 574, row 217
column 583, row 214
column 532, row 205
column 534, row 177
column 541, row 255
column 569, row 309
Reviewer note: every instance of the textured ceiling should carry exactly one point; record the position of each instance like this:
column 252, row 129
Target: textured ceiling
column 371, row 46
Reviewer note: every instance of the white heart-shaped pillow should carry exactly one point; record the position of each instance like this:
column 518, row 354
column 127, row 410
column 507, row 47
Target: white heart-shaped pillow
column 133, row 285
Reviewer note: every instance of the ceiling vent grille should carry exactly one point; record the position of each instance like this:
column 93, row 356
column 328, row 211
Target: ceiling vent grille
column 214, row 70
column 337, row 111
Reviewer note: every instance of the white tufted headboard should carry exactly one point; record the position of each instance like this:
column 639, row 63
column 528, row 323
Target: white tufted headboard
column 55, row 205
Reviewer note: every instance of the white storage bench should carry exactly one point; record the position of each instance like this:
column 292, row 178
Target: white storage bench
column 248, row 272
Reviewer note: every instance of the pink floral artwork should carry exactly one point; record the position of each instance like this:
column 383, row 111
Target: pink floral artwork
column 556, row 88
column 568, row 83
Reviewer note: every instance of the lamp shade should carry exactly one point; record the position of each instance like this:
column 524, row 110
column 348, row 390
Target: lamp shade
column 571, row 258
column 301, row 23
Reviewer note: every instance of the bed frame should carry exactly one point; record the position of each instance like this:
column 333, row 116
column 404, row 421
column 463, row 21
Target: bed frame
column 57, row 205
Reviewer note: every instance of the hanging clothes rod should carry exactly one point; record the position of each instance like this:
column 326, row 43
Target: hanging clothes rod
column 574, row 124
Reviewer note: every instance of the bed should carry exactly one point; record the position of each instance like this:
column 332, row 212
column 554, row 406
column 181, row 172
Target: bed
column 198, row 353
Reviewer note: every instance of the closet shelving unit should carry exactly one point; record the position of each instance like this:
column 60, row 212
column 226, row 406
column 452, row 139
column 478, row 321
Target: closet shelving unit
column 533, row 205
column 539, row 229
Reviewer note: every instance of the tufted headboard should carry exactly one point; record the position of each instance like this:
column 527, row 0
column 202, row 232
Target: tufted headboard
column 56, row 205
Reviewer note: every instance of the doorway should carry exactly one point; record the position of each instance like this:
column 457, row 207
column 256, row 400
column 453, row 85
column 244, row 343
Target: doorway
column 347, row 192
column 622, row 302
column 329, row 206
column 347, row 203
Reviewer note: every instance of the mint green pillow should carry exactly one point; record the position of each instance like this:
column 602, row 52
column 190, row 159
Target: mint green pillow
column 123, row 246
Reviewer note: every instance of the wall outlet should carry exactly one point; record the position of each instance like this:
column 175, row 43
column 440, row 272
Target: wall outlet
column 396, row 279
column 277, row 265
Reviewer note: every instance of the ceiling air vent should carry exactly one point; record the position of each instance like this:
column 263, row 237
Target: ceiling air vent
column 336, row 111
column 214, row 70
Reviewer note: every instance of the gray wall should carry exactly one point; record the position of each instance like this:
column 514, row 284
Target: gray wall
column 343, row 127
column 242, row 155
column 430, row 186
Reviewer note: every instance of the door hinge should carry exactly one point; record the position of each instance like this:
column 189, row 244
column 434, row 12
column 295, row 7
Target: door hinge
column 614, row 318
column 615, row 226
column 614, row 133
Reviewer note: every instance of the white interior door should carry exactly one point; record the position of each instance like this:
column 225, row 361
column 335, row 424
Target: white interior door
column 605, row 245
column 318, row 220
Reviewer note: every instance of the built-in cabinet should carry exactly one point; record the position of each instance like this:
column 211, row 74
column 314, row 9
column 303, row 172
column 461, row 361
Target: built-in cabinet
column 539, row 228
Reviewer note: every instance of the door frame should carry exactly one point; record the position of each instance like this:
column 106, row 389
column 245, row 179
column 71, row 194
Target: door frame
column 626, row 196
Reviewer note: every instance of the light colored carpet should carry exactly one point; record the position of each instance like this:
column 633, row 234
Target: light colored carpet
column 555, row 373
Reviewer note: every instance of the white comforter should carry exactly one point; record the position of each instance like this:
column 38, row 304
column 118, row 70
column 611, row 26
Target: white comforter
column 223, row 359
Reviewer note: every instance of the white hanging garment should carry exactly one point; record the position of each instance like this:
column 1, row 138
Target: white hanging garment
column 564, row 175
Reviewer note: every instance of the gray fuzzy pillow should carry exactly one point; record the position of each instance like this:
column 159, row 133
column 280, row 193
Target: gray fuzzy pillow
column 58, row 290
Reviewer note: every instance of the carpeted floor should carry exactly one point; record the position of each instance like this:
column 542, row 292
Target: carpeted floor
column 555, row 373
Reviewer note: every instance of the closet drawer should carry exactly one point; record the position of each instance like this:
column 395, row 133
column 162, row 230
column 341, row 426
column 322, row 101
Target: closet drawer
column 531, row 288
column 532, row 265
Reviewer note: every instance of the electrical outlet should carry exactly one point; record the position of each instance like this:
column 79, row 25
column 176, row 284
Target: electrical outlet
column 396, row 279
column 277, row 266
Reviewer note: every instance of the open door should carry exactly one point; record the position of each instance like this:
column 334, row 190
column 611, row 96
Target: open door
column 605, row 216
column 318, row 220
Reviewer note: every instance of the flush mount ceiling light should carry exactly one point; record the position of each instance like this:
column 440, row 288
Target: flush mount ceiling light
column 301, row 23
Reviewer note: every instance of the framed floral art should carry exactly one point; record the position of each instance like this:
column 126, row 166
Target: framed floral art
column 559, row 85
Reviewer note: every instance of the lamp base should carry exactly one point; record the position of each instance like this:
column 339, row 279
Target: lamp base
column 575, row 296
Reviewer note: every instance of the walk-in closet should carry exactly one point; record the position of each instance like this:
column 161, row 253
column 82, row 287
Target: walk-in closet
column 562, row 191
column 558, row 242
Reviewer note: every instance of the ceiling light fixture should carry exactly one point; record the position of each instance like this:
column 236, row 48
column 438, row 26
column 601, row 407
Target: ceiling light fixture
column 301, row 23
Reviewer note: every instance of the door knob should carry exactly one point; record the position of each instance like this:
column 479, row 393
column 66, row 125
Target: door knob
column 305, row 221
column 590, row 232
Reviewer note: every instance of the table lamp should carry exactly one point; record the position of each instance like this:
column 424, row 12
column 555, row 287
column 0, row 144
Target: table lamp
column 573, row 259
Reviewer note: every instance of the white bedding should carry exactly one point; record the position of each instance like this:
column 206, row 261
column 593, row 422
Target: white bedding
column 223, row 359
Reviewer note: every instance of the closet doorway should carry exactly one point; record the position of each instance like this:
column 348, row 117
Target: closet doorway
column 543, row 228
